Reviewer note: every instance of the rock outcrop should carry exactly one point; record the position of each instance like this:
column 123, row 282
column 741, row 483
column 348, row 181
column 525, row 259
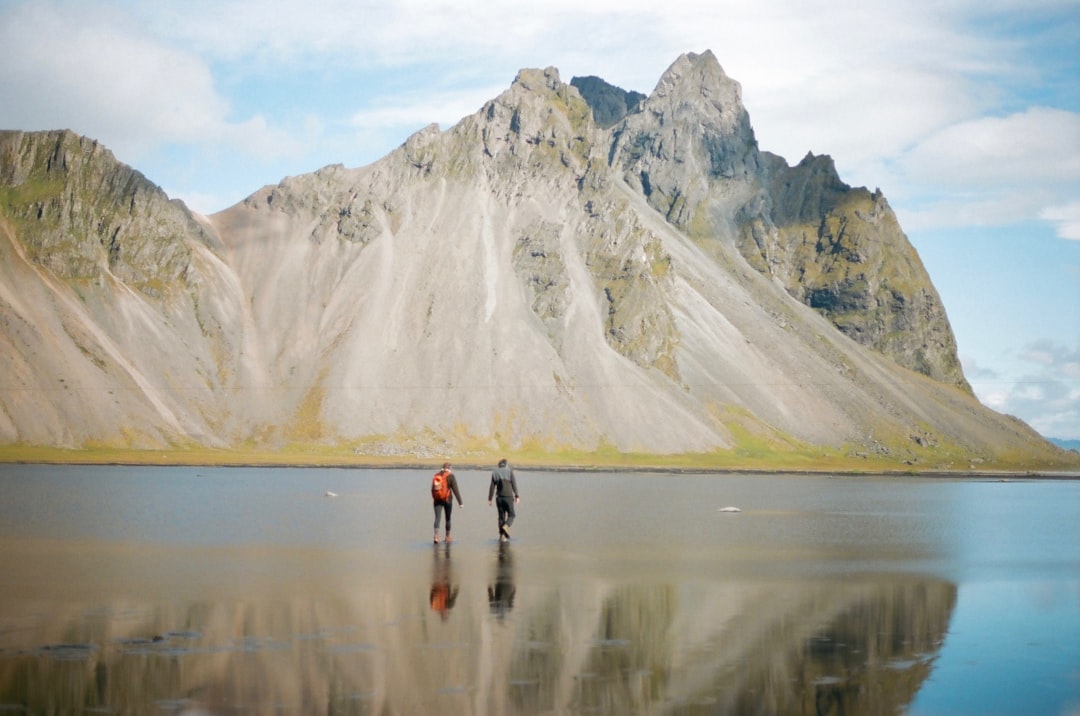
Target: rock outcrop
column 691, row 150
column 609, row 103
column 526, row 278
column 119, row 321
column 81, row 214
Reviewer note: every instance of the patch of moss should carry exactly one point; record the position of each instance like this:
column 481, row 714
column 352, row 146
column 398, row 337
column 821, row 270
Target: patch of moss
column 306, row 426
column 37, row 188
column 659, row 261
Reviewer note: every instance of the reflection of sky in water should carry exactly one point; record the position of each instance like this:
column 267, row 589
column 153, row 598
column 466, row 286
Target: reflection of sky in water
column 1000, row 529
column 1013, row 647
column 618, row 591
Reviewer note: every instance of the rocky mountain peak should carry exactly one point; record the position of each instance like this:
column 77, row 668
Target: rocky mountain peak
column 696, row 85
column 690, row 148
column 538, row 130
column 535, row 80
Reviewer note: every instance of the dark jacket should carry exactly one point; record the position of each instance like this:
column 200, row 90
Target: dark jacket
column 503, row 482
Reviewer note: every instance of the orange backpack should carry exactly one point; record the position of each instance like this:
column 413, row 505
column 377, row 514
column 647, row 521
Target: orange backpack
column 440, row 597
column 440, row 486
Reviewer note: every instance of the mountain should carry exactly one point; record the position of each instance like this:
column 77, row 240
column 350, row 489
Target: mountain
column 1066, row 443
column 527, row 279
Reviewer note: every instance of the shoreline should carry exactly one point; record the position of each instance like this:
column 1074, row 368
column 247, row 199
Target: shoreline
column 1002, row 474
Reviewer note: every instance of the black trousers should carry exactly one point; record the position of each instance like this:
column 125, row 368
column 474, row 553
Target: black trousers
column 506, row 510
column 441, row 507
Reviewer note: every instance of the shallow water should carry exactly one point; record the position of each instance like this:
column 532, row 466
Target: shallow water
column 237, row 590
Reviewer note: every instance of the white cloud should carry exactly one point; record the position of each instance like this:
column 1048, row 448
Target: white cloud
column 1054, row 412
column 1049, row 354
column 202, row 202
column 993, row 171
column 1066, row 217
column 90, row 70
column 273, row 34
column 1006, row 205
column 1040, row 144
column 419, row 110
column 973, row 369
column 1047, row 398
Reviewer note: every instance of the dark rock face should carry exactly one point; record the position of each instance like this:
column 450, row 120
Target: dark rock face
column 841, row 250
column 609, row 103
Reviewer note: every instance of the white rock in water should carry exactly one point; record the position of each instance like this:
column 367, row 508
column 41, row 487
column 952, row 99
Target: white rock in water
column 331, row 494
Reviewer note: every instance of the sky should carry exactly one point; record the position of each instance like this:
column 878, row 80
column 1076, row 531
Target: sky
column 965, row 113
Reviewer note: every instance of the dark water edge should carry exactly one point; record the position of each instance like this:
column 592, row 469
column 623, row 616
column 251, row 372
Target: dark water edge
column 205, row 590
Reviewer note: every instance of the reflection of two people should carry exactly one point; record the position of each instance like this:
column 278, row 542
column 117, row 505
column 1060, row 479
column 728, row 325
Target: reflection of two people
column 443, row 591
column 501, row 590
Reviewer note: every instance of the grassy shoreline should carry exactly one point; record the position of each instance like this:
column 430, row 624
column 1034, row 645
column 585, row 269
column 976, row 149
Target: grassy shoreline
column 719, row 463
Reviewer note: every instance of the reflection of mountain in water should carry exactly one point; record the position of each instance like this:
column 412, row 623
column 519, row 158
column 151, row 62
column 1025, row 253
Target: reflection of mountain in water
column 793, row 648
column 861, row 649
column 844, row 649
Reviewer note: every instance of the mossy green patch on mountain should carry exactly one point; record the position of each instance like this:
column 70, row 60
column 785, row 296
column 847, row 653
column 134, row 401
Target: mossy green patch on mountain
column 841, row 251
column 36, row 189
column 307, row 425
column 632, row 273
column 79, row 213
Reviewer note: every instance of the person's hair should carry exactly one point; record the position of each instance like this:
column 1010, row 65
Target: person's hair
column 502, row 463
column 446, row 466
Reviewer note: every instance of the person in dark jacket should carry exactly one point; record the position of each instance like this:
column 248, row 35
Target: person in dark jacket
column 505, row 490
column 445, row 503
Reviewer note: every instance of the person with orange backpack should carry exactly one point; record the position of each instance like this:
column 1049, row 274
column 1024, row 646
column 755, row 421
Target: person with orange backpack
column 444, row 489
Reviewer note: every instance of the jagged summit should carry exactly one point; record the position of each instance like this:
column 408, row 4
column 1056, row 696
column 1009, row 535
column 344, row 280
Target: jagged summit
column 527, row 277
column 696, row 81
column 692, row 153
column 690, row 150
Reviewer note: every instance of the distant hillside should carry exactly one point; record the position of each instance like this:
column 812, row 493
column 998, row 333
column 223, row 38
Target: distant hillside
column 1066, row 444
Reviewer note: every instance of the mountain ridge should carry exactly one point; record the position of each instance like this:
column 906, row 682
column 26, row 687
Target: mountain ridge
column 524, row 279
